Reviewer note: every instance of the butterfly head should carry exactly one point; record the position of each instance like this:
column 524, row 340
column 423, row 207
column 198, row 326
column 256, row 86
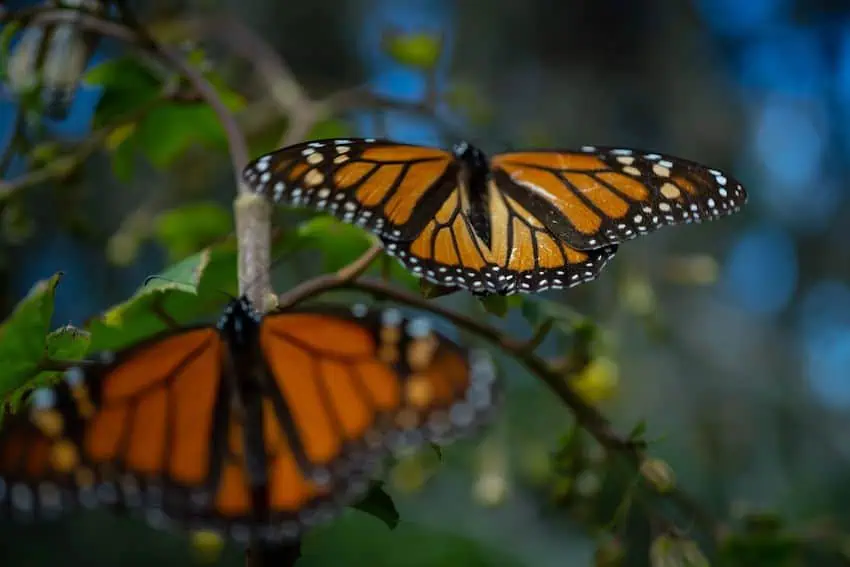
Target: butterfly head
column 239, row 322
column 473, row 157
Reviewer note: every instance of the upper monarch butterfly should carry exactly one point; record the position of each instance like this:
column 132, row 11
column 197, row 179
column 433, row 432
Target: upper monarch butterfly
column 517, row 222
column 257, row 427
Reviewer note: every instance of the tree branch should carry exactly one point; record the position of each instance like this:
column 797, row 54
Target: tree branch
column 586, row 415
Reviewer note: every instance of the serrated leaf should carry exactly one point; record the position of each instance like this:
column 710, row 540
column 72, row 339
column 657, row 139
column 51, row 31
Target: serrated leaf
column 23, row 335
column 185, row 230
column 186, row 274
column 68, row 343
column 419, row 50
column 378, row 503
column 195, row 287
column 64, row 344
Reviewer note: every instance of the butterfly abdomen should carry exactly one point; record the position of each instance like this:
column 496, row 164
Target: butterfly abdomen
column 477, row 172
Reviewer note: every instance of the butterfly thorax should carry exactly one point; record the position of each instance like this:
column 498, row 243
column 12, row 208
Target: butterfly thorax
column 240, row 328
column 476, row 175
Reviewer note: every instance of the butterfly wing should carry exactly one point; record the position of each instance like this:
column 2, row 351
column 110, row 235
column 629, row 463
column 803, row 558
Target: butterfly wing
column 134, row 430
column 602, row 196
column 511, row 251
column 389, row 188
column 357, row 382
column 154, row 429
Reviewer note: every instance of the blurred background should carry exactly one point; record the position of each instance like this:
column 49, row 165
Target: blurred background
column 730, row 339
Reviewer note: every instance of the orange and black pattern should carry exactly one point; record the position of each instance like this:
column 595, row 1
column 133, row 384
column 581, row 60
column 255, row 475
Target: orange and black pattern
column 519, row 222
column 257, row 428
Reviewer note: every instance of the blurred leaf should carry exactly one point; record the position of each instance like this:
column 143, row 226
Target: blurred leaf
column 420, row 50
column 128, row 85
column 638, row 431
column 378, row 503
column 671, row 551
column 43, row 153
column 366, row 542
column 597, row 381
column 495, row 304
column 124, row 158
column 23, row 335
column 65, row 344
column 7, row 33
column 172, row 128
column 329, row 128
column 16, row 225
column 432, row 291
column 187, row 229
column 207, row 546
column 340, row 243
column 500, row 305
column 465, row 99
column 609, row 553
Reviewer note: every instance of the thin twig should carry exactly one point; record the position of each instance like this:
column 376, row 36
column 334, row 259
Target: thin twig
column 238, row 148
column 586, row 415
column 325, row 282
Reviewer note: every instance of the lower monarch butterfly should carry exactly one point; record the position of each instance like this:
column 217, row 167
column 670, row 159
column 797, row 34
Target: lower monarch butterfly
column 257, row 427
column 516, row 222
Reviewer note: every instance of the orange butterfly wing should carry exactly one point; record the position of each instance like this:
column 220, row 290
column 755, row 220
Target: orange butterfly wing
column 164, row 428
column 521, row 254
column 365, row 381
column 602, row 196
column 389, row 188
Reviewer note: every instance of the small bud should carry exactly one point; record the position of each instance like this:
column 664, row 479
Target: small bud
column 658, row 474
column 420, row 50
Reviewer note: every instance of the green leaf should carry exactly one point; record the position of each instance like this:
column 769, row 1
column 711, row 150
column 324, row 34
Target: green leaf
column 329, row 128
column 65, row 344
column 185, row 230
column 359, row 540
column 128, row 85
column 419, row 50
column 495, row 304
column 172, row 128
column 184, row 275
column 340, row 243
column 431, row 290
column 7, row 33
column 23, row 336
column 193, row 288
column 379, row 504
column 68, row 343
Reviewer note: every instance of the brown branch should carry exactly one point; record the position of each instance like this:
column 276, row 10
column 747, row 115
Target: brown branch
column 174, row 59
column 586, row 415
column 326, row 282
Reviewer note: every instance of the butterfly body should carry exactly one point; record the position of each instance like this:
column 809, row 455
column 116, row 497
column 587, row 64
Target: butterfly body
column 512, row 222
column 256, row 427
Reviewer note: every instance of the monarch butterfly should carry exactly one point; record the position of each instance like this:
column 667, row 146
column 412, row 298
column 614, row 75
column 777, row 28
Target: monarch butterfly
column 257, row 427
column 516, row 222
